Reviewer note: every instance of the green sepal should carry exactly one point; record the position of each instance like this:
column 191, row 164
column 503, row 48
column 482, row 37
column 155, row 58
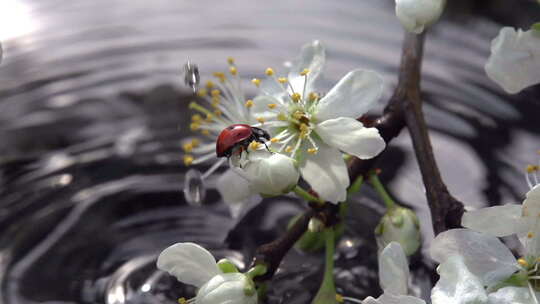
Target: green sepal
column 227, row 266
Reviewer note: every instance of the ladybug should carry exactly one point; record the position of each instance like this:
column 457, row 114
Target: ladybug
column 238, row 136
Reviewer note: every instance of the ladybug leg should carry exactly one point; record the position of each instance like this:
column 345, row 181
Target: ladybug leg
column 267, row 147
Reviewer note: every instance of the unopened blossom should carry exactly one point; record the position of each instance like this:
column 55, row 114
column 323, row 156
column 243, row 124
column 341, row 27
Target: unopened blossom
column 400, row 225
column 416, row 15
column 314, row 128
column 192, row 264
column 514, row 63
column 393, row 277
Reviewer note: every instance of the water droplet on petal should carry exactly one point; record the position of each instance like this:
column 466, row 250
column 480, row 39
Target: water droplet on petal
column 194, row 189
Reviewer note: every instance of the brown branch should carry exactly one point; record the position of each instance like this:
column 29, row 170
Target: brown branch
column 403, row 109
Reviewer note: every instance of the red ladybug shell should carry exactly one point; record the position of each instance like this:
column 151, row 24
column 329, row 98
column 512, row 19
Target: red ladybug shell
column 231, row 137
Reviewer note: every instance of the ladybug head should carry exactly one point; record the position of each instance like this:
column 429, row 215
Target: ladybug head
column 260, row 133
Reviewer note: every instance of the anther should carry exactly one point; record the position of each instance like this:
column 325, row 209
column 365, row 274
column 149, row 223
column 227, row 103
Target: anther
column 269, row 72
column 523, row 262
column 339, row 298
column 254, row 145
column 188, row 160
column 205, row 132
column 210, row 84
column 313, row 96
column 260, row 119
column 209, row 117
column 230, row 60
column 217, row 112
column 312, row 150
column 233, row 70
column 249, row 103
column 215, row 92
column 196, row 118
column 288, row 149
column 272, row 105
column 282, row 79
column 274, row 140
column 194, row 126
column 195, row 142
column 202, row 93
column 296, row 97
column 281, row 117
column 256, row 82
column 304, row 72
column 188, row 147
column 530, row 235
column 220, row 76
column 531, row 168
column 298, row 115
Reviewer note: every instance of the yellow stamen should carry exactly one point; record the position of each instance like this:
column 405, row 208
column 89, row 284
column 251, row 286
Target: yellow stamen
column 215, row 102
column 205, row 132
column 215, row 92
column 281, row 117
column 230, row 60
column 256, row 82
column 195, row 142
column 188, row 147
column 260, row 119
column 202, row 93
column 282, row 79
column 304, row 72
column 196, row 118
column 531, row 168
column 312, row 150
column 313, row 96
column 210, row 84
column 194, row 126
column 298, row 115
column 339, row 298
column 272, row 105
column 209, row 117
column 274, row 140
column 218, row 112
column 249, row 103
column 530, row 235
column 523, row 262
column 296, row 97
column 269, row 72
column 304, row 130
column 254, row 145
column 182, row 301
column 220, row 76
column 233, row 70
column 288, row 149
column 188, row 160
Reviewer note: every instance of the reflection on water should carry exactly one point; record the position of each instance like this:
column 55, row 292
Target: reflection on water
column 93, row 109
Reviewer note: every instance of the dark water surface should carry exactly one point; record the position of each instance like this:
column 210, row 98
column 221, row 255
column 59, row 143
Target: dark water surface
column 92, row 111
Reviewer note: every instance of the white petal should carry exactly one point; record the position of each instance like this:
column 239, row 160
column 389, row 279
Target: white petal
column 189, row 263
column 415, row 15
column 485, row 256
column 260, row 107
column 273, row 174
column 352, row 96
column 513, row 295
column 531, row 215
column 514, row 63
column 312, row 57
column 387, row 298
column 350, row 136
column 495, row 221
column 457, row 285
column 225, row 288
column 326, row 173
column 393, row 270
column 235, row 191
column 531, row 204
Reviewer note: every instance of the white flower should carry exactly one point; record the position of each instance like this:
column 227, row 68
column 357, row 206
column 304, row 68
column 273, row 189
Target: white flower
column 416, row 15
column 393, row 277
column 314, row 129
column 400, row 225
column 514, row 63
column 192, row 264
column 521, row 220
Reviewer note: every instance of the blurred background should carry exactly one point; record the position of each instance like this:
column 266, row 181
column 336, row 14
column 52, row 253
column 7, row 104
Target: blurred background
column 93, row 110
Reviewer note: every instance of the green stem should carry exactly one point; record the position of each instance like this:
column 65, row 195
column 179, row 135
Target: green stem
column 327, row 291
column 388, row 201
column 356, row 185
column 306, row 195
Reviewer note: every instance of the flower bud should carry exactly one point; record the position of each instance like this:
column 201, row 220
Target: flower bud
column 271, row 173
column 400, row 225
column 227, row 288
column 415, row 15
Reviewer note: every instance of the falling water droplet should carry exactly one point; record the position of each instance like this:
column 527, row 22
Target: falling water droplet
column 191, row 76
column 194, row 189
